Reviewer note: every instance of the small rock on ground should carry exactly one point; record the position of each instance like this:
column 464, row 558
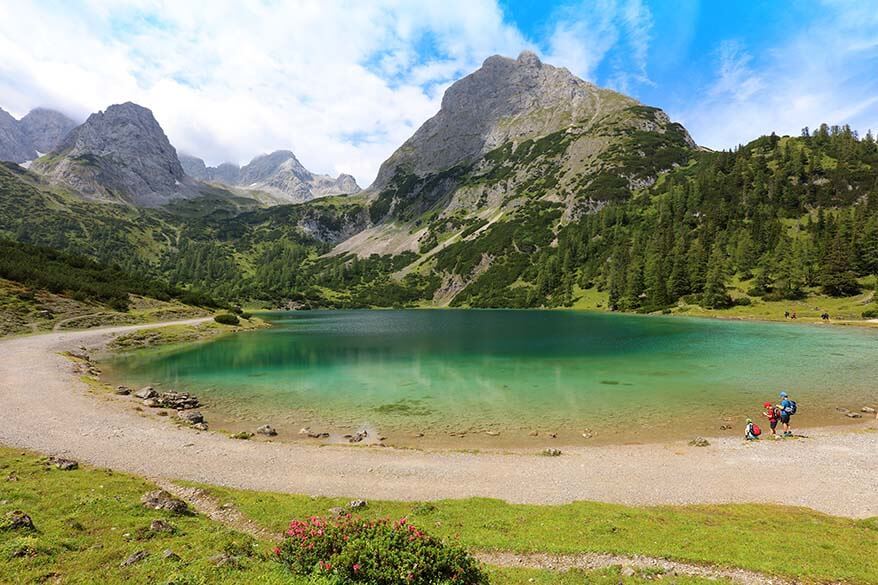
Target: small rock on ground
column 17, row 520
column 267, row 430
column 162, row 500
column 699, row 442
column 358, row 504
column 134, row 558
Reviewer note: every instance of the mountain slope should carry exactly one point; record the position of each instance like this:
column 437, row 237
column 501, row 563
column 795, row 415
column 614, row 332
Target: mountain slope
column 514, row 132
column 119, row 155
column 280, row 175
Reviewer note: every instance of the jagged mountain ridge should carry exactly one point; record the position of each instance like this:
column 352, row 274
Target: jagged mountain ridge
column 37, row 132
column 279, row 174
column 119, row 155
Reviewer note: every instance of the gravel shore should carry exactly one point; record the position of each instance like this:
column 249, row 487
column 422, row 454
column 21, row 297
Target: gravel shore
column 45, row 407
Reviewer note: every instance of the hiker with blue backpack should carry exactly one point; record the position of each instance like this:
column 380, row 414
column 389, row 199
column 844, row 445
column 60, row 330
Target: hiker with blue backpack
column 787, row 409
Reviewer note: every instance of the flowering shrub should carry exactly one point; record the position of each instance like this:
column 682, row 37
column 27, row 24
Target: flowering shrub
column 380, row 552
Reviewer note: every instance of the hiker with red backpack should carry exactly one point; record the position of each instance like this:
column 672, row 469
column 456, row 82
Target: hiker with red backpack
column 772, row 413
column 752, row 431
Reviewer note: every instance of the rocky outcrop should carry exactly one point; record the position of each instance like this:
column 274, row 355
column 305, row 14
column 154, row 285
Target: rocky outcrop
column 14, row 145
column 119, row 155
column 45, row 128
column 279, row 175
column 40, row 131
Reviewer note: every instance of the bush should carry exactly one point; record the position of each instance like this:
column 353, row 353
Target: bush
column 246, row 315
column 744, row 301
column 354, row 550
column 227, row 319
column 870, row 314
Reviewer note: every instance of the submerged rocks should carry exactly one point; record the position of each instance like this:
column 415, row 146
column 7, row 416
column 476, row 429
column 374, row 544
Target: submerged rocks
column 552, row 452
column 699, row 442
column 868, row 410
column 266, row 430
column 243, row 435
column 172, row 400
column 854, row 415
column 162, row 500
column 122, row 391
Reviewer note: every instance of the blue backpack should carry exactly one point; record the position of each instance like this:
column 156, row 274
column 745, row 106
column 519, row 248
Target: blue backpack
column 792, row 408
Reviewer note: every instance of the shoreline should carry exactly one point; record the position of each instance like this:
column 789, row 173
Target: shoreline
column 49, row 410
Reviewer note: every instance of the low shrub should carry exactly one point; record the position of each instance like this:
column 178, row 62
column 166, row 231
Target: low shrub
column 744, row 301
column 351, row 549
column 246, row 315
column 870, row 314
column 227, row 319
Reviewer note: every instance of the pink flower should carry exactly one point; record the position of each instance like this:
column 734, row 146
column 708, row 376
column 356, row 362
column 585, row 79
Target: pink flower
column 356, row 567
column 277, row 551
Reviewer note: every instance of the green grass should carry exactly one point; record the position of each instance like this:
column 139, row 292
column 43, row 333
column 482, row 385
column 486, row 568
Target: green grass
column 87, row 520
column 793, row 542
column 179, row 334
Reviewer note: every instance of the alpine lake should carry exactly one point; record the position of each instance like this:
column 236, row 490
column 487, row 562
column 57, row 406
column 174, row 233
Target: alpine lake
column 472, row 379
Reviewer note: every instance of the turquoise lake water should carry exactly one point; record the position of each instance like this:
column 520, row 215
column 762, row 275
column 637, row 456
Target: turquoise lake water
column 441, row 373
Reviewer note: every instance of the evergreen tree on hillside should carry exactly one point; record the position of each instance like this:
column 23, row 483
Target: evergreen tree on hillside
column 715, row 295
column 838, row 279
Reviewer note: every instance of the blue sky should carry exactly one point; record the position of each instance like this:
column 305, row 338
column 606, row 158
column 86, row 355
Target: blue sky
column 343, row 82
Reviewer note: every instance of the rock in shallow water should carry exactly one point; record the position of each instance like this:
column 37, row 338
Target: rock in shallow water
column 266, row 430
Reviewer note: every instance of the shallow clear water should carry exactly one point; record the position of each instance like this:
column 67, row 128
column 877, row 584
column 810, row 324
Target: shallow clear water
column 440, row 372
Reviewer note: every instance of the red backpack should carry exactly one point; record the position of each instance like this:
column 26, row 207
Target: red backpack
column 756, row 431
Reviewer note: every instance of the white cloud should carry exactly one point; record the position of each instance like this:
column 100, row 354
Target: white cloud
column 822, row 73
column 585, row 34
column 229, row 80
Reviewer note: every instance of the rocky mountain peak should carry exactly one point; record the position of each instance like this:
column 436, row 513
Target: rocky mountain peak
column 46, row 128
column 120, row 153
column 504, row 100
column 14, row 145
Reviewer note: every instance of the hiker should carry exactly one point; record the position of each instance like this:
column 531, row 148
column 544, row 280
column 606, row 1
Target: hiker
column 751, row 431
column 825, row 316
column 773, row 415
column 787, row 408
column 786, row 314
column 793, row 316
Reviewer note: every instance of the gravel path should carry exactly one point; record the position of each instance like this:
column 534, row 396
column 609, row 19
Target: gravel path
column 44, row 407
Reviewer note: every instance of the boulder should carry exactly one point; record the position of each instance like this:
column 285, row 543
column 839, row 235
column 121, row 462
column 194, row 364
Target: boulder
column 160, row 525
column 225, row 560
column 122, row 390
column 357, row 438
column 146, row 393
column 552, row 452
column 170, row 555
column 63, row 464
column 134, row 558
column 192, row 417
column 868, row 410
column 202, row 426
column 16, row 520
column 177, row 400
column 266, row 430
column 162, row 500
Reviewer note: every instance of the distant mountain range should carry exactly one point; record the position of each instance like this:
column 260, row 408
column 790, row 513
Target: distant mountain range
column 280, row 175
column 529, row 187
column 122, row 155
